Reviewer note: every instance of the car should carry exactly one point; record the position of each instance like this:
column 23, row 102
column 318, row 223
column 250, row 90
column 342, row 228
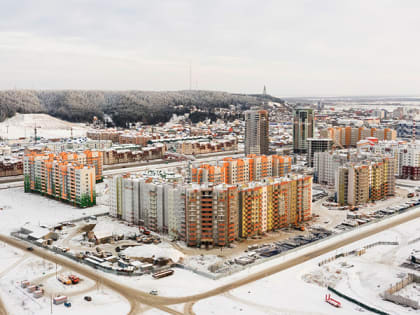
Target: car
column 67, row 304
column 153, row 292
column 30, row 248
column 88, row 298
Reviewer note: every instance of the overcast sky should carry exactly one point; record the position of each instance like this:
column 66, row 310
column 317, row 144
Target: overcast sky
column 295, row 48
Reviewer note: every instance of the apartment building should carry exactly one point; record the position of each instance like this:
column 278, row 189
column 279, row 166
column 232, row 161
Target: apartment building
column 126, row 155
column 154, row 200
column 193, row 147
column 327, row 163
column 370, row 180
column 273, row 204
column 303, row 128
column 349, row 136
column 211, row 214
column 242, row 170
column 65, row 177
column 406, row 129
column 256, row 131
column 10, row 166
column 406, row 155
column 317, row 145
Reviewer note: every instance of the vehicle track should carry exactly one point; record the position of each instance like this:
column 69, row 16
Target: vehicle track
column 137, row 296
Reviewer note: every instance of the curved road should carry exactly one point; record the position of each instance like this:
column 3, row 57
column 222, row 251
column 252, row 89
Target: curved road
column 137, row 297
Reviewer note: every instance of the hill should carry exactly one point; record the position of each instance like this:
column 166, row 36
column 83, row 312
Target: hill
column 22, row 125
column 121, row 106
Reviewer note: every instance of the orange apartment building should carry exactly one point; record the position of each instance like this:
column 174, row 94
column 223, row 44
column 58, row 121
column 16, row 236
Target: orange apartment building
column 349, row 136
column 66, row 176
column 273, row 204
column 240, row 171
column 211, row 215
column 219, row 214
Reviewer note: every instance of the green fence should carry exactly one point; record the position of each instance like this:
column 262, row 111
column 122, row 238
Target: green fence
column 348, row 298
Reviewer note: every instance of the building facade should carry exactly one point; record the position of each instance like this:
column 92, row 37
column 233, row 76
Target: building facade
column 273, row 204
column 303, row 128
column 256, row 132
column 317, row 145
column 63, row 176
column 209, row 214
column 349, row 136
column 362, row 182
column 242, row 170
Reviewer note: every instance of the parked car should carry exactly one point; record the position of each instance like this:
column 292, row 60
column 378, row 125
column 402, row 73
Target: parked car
column 88, row 298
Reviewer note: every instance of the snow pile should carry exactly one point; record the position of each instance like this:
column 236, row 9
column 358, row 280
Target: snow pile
column 202, row 262
column 152, row 250
column 327, row 276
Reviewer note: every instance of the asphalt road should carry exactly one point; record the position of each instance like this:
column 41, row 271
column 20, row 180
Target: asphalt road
column 137, row 297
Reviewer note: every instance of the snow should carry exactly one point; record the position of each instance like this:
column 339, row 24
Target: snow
column 38, row 271
column 202, row 262
column 20, row 207
column 181, row 283
column 22, row 125
column 149, row 250
column 371, row 274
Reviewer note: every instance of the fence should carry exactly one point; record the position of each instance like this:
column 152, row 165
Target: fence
column 353, row 252
column 390, row 295
column 414, row 241
column 365, row 306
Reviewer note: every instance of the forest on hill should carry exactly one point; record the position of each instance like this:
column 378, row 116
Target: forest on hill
column 122, row 106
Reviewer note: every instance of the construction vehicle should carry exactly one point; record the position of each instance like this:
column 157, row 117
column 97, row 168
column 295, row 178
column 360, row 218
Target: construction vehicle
column 64, row 280
column 299, row 227
column 332, row 301
column 74, row 279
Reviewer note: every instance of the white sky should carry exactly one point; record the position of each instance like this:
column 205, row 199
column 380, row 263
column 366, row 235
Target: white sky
column 295, row 48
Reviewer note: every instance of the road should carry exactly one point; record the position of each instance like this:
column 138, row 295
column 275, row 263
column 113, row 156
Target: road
column 137, row 297
column 2, row 308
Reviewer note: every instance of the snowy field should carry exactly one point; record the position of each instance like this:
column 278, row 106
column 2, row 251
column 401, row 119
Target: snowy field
column 22, row 125
column 370, row 275
column 41, row 272
column 19, row 208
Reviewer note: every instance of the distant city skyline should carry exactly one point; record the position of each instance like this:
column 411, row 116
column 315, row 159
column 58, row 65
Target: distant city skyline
column 295, row 48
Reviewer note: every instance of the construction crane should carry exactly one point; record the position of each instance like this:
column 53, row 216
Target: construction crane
column 36, row 133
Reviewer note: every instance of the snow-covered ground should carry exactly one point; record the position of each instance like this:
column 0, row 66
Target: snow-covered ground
column 41, row 272
column 22, row 125
column 19, row 208
column 288, row 292
column 151, row 250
